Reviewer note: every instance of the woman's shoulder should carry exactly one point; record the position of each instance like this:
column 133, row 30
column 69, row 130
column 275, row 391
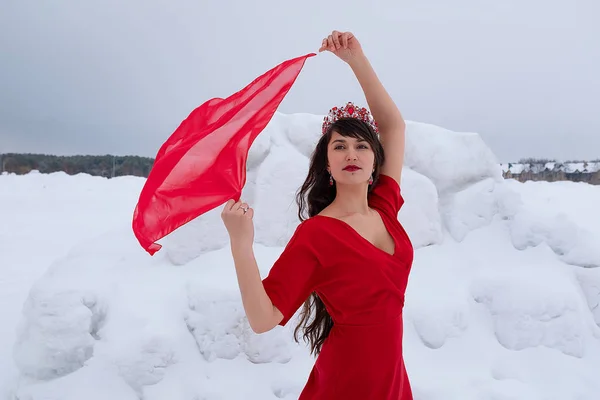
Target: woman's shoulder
column 304, row 230
column 311, row 238
column 314, row 230
column 311, row 225
column 386, row 195
column 386, row 182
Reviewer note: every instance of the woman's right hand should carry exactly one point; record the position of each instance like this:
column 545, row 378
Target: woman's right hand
column 239, row 224
column 344, row 45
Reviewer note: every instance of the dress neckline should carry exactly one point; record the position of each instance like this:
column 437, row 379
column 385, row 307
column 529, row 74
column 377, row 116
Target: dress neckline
column 362, row 237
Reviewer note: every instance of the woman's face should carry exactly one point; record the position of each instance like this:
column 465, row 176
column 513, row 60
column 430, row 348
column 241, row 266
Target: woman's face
column 351, row 160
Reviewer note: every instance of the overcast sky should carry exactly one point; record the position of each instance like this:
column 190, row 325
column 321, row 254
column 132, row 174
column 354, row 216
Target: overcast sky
column 81, row 77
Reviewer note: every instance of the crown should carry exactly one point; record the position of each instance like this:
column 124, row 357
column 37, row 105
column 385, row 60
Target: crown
column 348, row 111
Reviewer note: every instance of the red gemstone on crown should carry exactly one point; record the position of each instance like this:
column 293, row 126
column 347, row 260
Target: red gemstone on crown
column 348, row 111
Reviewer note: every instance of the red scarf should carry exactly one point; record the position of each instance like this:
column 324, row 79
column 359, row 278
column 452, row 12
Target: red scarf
column 203, row 163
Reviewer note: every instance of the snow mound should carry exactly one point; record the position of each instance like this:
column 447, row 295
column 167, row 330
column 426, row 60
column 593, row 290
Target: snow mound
column 57, row 334
column 419, row 215
column 528, row 313
column 201, row 235
column 439, row 320
column 561, row 221
column 452, row 160
column 94, row 383
column 470, row 208
column 218, row 324
column 279, row 178
column 123, row 317
column 573, row 244
column 589, row 279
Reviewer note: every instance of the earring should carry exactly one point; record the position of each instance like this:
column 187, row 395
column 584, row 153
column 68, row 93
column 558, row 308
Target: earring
column 371, row 180
column 330, row 179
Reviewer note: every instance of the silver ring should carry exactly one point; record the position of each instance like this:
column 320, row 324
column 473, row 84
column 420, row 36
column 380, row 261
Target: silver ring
column 245, row 209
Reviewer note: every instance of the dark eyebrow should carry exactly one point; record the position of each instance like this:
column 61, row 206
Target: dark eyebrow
column 344, row 141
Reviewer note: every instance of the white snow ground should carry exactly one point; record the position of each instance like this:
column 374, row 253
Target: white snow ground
column 502, row 303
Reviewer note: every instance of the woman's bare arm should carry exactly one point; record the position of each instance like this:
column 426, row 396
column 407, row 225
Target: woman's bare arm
column 391, row 124
column 260, row 311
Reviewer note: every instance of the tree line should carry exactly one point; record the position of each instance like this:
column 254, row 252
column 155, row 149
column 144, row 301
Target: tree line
column 105, row 165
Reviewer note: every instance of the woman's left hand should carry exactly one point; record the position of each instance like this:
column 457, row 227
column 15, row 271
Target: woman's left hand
column 342, row 44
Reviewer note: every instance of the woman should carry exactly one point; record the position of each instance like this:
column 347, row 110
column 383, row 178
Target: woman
column 349, row 261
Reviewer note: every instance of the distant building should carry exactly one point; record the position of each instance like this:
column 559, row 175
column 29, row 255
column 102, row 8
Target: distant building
column 553, row 171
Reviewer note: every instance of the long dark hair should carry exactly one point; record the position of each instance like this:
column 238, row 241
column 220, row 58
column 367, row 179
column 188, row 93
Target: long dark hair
column 316, row 194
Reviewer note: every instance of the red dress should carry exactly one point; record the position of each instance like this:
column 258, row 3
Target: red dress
column 363, row 290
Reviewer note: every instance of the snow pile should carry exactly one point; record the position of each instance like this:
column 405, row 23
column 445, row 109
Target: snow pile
column 558, row 216
column 500, row 304
column 451, row 160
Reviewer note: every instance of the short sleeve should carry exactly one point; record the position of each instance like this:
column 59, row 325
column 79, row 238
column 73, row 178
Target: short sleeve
column 292, row 277
column 386, row 196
